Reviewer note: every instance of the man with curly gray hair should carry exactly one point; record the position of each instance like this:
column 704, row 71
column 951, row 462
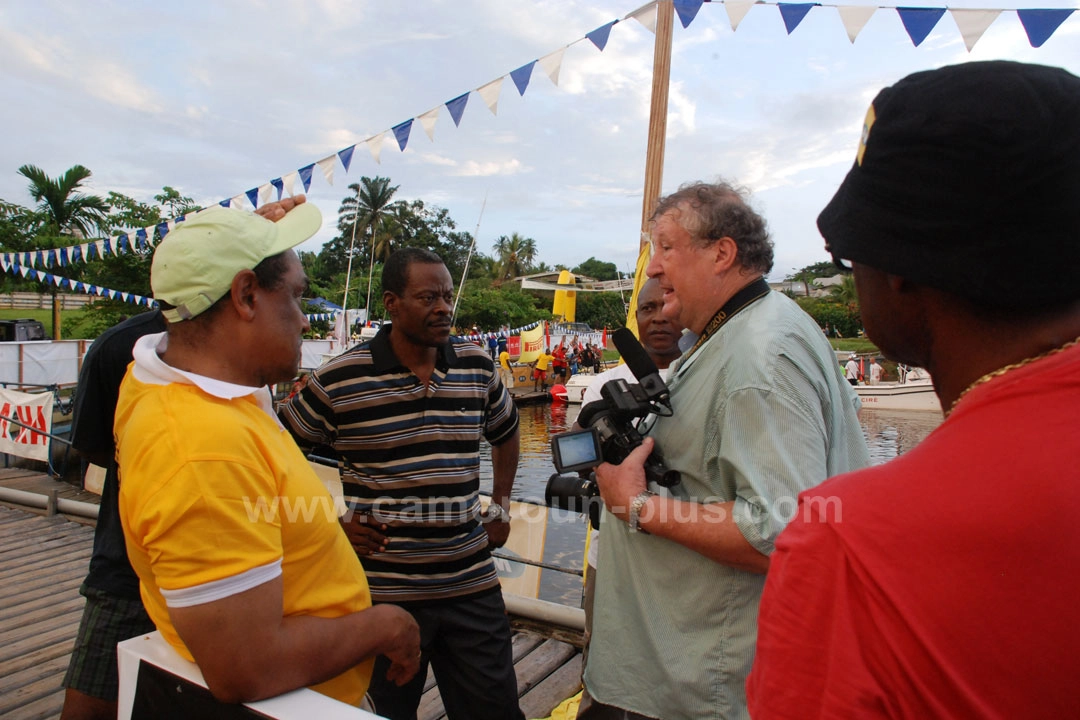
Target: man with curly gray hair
column 760, row 412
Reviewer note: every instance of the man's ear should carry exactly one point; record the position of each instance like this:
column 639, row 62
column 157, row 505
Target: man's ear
column 724, row 253
column 389, row 301
column 244, row 287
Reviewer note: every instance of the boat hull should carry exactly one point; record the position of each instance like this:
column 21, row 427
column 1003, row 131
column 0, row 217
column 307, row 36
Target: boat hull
column 894, row 396
column 576, row 387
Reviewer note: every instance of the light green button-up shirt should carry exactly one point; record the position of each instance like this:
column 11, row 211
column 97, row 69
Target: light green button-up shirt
column 761, row 413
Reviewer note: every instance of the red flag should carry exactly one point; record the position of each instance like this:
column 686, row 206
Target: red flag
column 861, row 373
column 603, row 340
column 547, row 340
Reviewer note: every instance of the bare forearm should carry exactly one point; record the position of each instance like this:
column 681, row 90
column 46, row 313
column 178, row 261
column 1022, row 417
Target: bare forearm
column 504, row 465
column 248, row 651
column 706, row 529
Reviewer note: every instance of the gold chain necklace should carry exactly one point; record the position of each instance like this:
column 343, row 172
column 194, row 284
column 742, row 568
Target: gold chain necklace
column 1008, row 368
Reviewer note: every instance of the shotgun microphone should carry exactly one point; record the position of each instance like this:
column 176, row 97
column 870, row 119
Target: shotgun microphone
column 642, row 366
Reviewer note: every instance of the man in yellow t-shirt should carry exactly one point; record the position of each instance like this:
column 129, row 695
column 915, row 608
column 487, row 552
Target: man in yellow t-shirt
column 506, row 373
column 540, row 369
column 242, row 564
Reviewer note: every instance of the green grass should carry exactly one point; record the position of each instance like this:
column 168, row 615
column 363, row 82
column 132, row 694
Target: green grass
column 863, row 346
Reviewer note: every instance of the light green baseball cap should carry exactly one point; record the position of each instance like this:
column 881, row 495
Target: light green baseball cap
column 194, row 266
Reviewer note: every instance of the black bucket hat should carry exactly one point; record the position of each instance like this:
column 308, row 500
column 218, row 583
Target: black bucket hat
column 967, row 179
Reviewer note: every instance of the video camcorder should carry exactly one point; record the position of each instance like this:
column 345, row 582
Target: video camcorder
column 610, row 433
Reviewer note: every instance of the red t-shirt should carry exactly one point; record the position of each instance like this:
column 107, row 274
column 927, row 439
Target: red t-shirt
column 944, row 583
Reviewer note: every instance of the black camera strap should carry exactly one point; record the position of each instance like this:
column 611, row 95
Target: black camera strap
column 740, row 300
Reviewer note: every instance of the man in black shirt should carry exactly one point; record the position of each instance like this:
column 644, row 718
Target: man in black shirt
column 114, row 611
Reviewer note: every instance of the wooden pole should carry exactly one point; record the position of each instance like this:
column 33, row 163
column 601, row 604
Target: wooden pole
column 654, row 155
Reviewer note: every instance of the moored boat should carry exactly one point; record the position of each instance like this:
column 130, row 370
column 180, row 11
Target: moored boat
column 915, row 393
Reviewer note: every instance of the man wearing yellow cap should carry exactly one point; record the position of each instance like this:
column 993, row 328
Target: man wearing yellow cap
column 242, row 564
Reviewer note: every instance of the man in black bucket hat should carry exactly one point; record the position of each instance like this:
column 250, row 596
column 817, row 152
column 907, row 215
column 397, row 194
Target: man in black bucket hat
column 945, row 583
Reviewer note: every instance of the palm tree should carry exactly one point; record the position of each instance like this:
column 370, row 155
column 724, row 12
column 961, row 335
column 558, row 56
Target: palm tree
column 845, row 293
column 65, row 212
column 515, row 255
column 373, row 202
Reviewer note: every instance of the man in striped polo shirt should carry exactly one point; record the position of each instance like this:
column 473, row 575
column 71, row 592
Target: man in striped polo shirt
column 405, row 412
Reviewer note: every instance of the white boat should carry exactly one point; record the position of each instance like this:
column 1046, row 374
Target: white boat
column 577, row 385
column 915, row 393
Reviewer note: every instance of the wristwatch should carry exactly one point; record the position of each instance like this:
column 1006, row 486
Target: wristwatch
column 495, row 511
column 635, row 510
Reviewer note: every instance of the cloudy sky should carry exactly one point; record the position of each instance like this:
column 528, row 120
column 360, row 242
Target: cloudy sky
column 217, row 98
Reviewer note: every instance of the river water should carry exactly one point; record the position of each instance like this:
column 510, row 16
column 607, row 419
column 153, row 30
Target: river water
column 888, row 434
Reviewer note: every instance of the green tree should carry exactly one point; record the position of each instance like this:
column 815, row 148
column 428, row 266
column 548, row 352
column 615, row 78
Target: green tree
column 513, row 256
column 845, row 292
column 600, row 310
column 364, row 213
column 597, row 269
column 490, row 307
column 64, row 215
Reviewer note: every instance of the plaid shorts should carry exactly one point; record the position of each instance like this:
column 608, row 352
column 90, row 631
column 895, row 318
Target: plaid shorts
column 106, row 620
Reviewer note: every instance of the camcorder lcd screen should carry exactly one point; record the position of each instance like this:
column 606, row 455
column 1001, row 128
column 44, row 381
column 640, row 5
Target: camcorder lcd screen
column 578, row 450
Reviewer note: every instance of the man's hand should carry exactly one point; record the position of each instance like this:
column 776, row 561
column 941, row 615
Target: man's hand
column 620, row 484
column 365, row 534
column 498, row 531
column 276, row 210
column 403, row 649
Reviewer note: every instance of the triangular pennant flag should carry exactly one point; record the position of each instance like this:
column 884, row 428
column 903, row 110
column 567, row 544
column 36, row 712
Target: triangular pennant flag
column 225, row 203
column 646, row 15
column 111, row 294
column 264, row 193
column 24, row 270
column 599, row 36
column 76, row 254
column 552, row 63
column 253, row 196
column 65, row 283
column 40, row 275
column 490, row 94
column 54, row 279
column 687, row 11
column 327, row 167
column 122, row 243
column 26, row 261
column 99, row 250
column 457, row 107
column 125, row 296
column 919, row 21
column 375, row 144
column 736, row 11
column 163, row 229
column 793, row 14
column 1041, row 24
column 401, row 132
column 346, row 157
column 289, row 181
column 149, row 229
column 521, row 76
column 427, row 121
column 140, row 238
column 237, row 202
column 855, row 18
column 973, row 23
column 279, row 186
column 106, row 247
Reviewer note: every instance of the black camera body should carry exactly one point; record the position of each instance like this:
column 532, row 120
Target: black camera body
column 610, row 433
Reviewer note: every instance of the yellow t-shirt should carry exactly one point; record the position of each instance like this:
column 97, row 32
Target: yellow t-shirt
column 212, row 489
column 504, row 360
column 543, row 361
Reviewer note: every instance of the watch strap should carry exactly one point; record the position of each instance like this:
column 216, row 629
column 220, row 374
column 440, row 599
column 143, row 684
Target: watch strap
column 635, row 510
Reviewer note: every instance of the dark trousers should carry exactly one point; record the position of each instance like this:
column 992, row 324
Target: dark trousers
column 468, row 645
